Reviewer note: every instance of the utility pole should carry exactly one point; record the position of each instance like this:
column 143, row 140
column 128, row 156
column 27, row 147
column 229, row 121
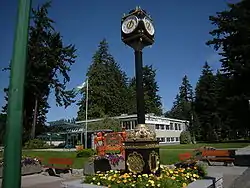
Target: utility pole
column 13, row 142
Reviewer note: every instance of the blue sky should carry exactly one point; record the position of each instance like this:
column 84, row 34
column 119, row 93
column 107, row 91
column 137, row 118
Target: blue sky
column 182, row 28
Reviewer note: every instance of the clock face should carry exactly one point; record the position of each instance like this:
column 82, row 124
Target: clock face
column 149, row 26
column 129, row 24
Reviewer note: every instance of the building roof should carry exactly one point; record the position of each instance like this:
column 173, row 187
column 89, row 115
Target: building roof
column 133, row 116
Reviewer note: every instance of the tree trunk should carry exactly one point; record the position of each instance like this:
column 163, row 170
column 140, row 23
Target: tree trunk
column 33, row 129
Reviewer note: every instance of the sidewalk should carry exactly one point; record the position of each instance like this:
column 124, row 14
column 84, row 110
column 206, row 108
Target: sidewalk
column 40, row 181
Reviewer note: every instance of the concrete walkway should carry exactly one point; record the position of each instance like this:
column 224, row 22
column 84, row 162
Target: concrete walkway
column 229, row 173
column 40, row 181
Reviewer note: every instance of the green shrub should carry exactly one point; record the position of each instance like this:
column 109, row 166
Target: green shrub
column 36, row 144
column 185, row 137
column 85, row 153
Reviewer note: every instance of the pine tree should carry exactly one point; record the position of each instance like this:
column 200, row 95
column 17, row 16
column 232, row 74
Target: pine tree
column 231, row 39
column 48, row 59
column 107, row 86
column 182, row 106
column 150, row 86
column 206, row 105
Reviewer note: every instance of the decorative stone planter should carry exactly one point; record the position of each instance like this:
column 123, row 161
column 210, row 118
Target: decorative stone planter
column 26, row 170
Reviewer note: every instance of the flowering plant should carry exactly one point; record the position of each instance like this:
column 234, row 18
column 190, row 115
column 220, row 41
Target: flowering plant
column 25, row 161
column 169, row 178
column 114, row 159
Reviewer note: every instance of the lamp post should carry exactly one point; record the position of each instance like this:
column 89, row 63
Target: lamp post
column 13, row 142
column 141, row 145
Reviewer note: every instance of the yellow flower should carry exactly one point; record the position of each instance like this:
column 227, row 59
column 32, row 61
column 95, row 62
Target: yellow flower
column 118, row 182
column 124, row 181
column 173, row 178
column 98, row 183
column 158, row 185
column 109, row 178
column 184, row 185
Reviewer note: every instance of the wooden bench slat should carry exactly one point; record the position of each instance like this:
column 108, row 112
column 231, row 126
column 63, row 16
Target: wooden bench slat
column 217, row 153
column 185, row 156
column 60, row 161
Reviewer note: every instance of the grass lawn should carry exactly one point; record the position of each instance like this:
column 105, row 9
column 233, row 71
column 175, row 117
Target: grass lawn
column 215, row 145
column 170, row 156
column 166, row 156
column 45, row 155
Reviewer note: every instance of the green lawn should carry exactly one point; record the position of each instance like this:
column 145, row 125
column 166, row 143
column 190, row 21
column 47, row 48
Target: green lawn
column 45, row 155
column 215, row 145
column 168, row 154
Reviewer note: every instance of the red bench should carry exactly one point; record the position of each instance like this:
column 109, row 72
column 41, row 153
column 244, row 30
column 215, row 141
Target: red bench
column 185, row 156
column 217, row 156
column 65, row 165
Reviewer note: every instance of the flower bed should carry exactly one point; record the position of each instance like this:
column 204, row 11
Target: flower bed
column 113, row 159
column 169, row 178
column 28, row 166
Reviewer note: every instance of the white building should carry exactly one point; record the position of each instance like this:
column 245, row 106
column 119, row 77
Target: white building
column 167, row 130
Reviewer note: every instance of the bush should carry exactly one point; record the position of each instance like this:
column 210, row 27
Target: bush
column 185, row 137
column 36, row 144
column 85, row 153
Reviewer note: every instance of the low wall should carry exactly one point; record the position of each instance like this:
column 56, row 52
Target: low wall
column 26, row 170
column 214, row 181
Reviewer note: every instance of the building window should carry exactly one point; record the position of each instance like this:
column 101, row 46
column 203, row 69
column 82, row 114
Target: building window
column 162, row 127
column 168, row 139
column 161, row 139
column 177, row 139
column 179, row 126
column 157, row 127
column 127, row 125
column 167, row 127
column 172, row 139
column 133, row 124
column 171, row 126
column 175, row 126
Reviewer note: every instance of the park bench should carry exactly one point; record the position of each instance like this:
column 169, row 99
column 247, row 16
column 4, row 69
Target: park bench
column 185, row 156
column 59, row 165
column 225, row 156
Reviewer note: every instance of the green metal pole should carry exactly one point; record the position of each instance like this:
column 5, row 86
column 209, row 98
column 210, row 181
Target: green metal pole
column 13, row 142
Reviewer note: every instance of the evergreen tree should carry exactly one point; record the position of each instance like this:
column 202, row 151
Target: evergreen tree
column 182, row 106
column 48, row 59
column 206, row 104
column 150, row 87
column 3, row 119
column 231, row 39
column 107, row 87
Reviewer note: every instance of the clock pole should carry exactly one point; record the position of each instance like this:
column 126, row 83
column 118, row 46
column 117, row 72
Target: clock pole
column 139, row 87
column 141, row 145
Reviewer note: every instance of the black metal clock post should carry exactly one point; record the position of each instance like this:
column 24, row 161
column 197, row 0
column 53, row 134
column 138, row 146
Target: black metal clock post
column 141, row 145
column 138, row 32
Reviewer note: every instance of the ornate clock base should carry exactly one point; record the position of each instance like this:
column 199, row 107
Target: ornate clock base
column 142, row 151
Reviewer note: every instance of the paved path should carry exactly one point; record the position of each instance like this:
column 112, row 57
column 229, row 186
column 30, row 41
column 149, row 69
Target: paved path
column 229, row 173
column 40, row 181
